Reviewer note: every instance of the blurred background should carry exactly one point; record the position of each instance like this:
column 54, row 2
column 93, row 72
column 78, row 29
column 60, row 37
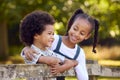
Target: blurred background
column 106, row 11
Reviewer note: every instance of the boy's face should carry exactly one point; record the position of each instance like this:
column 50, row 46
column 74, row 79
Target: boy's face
column 79, row 31
column 46, row 38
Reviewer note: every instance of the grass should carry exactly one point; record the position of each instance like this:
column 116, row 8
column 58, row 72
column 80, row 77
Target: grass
column 114, row 63
column 103, row 52
column 108, row 78
column 70, row 78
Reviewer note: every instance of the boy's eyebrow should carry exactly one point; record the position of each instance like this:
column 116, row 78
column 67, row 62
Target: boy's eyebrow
column 50, row 31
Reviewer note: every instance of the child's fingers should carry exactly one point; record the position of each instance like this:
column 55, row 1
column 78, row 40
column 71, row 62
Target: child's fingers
column 53, row 69
column 54, row 72
column 28, row 56
column 33, row 51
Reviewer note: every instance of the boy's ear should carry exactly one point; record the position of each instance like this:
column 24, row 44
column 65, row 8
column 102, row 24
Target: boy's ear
column 88, row 36
column 35, row 36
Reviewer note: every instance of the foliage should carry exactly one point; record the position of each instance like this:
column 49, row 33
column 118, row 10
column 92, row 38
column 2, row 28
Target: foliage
column 106, row 11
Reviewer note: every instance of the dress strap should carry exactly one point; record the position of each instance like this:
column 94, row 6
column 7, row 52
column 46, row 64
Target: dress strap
column 77, row 53
column 57, row 50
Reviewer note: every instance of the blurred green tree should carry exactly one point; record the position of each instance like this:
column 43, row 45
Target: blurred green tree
column 12, row 11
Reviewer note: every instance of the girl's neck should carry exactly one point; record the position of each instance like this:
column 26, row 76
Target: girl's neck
column 67, row 42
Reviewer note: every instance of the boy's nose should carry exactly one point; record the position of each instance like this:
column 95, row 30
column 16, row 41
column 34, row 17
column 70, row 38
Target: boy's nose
column 52, row 36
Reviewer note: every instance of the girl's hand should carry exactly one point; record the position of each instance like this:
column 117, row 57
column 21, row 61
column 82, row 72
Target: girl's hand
column 75, row 63
column 28, row 52
column 55, row 69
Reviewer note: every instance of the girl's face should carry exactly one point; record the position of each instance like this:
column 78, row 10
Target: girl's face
column 46, row 38
column 79, row 31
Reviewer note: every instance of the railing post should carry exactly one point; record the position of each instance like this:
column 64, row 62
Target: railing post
column 93, row 69
column 92, row 77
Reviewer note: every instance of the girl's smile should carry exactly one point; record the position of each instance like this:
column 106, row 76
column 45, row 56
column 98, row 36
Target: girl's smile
column 79, row 31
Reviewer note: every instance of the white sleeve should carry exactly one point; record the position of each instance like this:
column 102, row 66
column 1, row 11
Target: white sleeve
column 80, row 69
column 55, row 42
column 62, row 58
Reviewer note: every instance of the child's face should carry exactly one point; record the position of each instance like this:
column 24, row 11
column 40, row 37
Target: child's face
column 46, row 38
column 79, row 31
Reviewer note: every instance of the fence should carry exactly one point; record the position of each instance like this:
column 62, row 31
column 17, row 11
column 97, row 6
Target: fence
column 41, row 71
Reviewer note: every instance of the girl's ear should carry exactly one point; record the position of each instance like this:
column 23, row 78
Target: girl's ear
column 88, row 36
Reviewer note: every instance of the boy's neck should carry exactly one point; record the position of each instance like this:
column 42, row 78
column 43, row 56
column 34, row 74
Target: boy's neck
column 40, row 47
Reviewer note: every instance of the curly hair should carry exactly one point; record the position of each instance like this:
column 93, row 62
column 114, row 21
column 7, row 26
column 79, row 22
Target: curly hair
column 34, row 23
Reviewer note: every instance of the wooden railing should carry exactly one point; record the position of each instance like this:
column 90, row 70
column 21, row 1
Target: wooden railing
column 42, row 72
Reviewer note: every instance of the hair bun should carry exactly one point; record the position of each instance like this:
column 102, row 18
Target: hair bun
column 78, row 11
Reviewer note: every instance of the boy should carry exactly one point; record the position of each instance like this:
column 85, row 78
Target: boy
column 37, row 31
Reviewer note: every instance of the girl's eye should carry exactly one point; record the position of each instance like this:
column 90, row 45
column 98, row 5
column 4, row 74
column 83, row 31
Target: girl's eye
column 49, row 33
column 75, row 28
column 52, row 33
column 82, row 33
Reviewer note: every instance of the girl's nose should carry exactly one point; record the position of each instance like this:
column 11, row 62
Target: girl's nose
column 77, row 33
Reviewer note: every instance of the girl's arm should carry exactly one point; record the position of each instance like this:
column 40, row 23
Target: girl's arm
column 66, row 66
column 81, row 69
column 28, row 52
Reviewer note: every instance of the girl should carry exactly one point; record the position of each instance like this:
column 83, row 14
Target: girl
column 79, row 28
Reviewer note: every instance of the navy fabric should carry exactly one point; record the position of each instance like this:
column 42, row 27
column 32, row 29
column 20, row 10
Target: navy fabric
column 58, row 52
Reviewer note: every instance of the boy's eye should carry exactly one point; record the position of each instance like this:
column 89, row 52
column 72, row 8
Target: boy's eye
column 51, row 33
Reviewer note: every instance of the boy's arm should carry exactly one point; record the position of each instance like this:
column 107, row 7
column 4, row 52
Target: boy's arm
column 66, row 66
column 49, row 60
column 32, row 56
